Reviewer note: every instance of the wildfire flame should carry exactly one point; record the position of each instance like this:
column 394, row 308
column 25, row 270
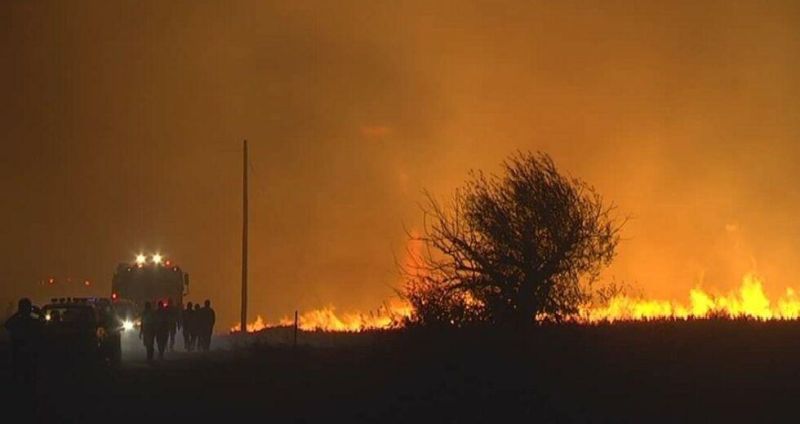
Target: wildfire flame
column 749, row 301
column 327, row 319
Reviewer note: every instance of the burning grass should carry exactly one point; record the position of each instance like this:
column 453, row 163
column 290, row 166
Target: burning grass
column 390, row 315
column 749, row 302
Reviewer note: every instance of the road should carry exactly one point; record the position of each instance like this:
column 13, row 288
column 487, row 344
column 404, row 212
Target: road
column 362, row 383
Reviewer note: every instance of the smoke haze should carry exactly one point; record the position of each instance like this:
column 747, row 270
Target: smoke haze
column 122, row 122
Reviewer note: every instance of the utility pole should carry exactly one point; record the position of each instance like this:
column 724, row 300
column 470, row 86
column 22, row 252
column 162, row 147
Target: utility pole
column 244, row 241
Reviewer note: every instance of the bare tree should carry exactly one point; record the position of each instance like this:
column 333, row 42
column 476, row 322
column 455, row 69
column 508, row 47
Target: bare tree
column 511, row 249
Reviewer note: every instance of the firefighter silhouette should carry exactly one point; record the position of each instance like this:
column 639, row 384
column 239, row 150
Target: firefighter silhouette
column 147, row 331
column 207, row 318
column 196, row 327
column 26, row 333
column 173, row 313
column 186, row 326
column 162, row 328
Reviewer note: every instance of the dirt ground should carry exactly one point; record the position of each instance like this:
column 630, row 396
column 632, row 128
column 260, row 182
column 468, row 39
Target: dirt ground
column 736, row 371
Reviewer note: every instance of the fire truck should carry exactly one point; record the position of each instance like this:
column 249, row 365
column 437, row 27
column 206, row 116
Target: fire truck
column 148, row 279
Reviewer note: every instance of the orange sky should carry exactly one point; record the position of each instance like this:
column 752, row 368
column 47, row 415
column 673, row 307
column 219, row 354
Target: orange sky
column 121, row 127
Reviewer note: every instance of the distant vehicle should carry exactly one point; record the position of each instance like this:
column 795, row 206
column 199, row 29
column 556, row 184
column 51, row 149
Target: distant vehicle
column 148, row 280
column 83, row 330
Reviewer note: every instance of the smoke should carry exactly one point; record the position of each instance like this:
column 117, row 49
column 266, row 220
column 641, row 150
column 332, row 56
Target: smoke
column 122, row 127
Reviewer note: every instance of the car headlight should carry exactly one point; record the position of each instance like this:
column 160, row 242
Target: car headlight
column 127, row 325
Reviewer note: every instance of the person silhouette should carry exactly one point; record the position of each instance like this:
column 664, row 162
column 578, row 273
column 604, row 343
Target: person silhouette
column 147, row 331
column 26, row 334
column 173, row 313
column 196, row 327
column 162, row 328
column 186, row 326
column 208, row 318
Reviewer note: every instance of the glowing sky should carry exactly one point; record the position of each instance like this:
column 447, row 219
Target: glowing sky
column 121, row 125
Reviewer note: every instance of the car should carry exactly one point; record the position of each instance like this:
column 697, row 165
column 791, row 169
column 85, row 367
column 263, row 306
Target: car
column 82, row 331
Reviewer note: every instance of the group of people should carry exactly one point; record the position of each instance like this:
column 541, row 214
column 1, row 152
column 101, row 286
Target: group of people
column 160, row 326
column 197, row 326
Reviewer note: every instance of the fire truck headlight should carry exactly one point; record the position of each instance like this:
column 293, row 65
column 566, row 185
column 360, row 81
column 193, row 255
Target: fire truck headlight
column 157, row 259
column 141, row 259
column 127, row 325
